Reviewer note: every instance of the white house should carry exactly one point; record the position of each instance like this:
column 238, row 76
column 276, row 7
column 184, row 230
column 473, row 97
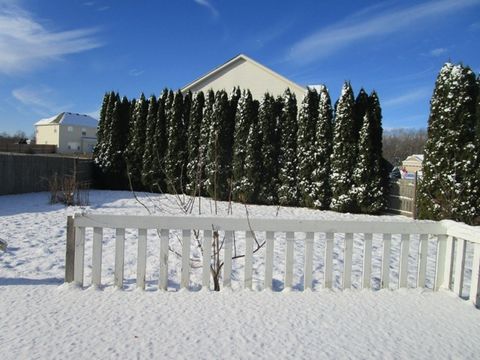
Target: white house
column 71, row 133
column 246, row 73
column 413, row 163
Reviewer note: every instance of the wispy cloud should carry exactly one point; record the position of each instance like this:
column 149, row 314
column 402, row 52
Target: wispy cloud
column 209, row 6
column 438, row 51
column 135, row 72
column 39, row 99
column 26, row 44
column 331, row 39
column 409, row 97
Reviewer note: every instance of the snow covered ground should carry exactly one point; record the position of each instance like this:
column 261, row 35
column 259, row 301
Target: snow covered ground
column 42, row 318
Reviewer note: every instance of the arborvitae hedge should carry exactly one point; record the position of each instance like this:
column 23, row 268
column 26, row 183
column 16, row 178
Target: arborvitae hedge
column 235, row 148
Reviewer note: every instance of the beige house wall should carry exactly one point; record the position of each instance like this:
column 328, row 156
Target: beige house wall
column 47, row 134
column 68, row 138
column 246, row 75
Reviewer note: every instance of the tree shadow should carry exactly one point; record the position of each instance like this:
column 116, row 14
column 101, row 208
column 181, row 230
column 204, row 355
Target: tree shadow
column 19, row 281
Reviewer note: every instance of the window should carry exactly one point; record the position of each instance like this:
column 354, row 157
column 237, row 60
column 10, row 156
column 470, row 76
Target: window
column 84, row 132
column 70, row 129
column 55, row 130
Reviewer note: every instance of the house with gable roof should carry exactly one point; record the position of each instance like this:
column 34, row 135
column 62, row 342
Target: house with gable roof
column 70, row 132
column 246, row 73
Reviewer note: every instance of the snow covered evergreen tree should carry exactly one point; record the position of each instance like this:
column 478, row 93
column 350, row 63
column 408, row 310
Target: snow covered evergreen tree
column 361, row 108
column 343, row 153
column 205, row 140
column 176, row 145
column 160, row 144
column 322, row 191
column 307, row 119
column 149, row 153
column 244, row 118
column 217, row 167
column 102, row 130
column 375, row 112
column 187, row 106
column 253, row 159
column 268, row 115
column 194, row 155
column 136, row 146
column 367, row 179
column 288, row 173
column 450, row 185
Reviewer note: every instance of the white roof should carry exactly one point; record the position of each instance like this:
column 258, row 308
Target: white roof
column 418, row 157
column 67, row 118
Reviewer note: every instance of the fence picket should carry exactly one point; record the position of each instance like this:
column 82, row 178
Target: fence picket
column 328, row 278
column 459, row 267
column 248, row 259
column 290, row 240
column 227, row 261
column 367, row 261
column 207, row 258
column 163, row 279
column 309, row 239
column 79, row 255
column 475, row 285
column 97, row 256
column 269, row 259
column 142, row 258
column 119, row 257
column 403, row 271
column 449, row 256
column 185, row 277
column 387, row 244
column 440, row 264
column 422, row 260
column 347, row 261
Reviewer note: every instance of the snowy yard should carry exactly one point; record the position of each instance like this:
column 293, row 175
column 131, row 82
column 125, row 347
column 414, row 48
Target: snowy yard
column 41, row 318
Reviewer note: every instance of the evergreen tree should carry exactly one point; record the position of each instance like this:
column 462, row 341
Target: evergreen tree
column 194, row 132
column 268, row 115
column 111, row 124
column 230, row 130
column 253, row 159
column 176, row 145
column 160, row 144
column 322, row 152
column 102, row 130
column 361, row 108
column 288, row 175
column 149, row 153
column 450, row 188
column 244, row 118
column 343, row 153
column 367, row 178
column 217, row 168
column 204, row 141
column 136, row 146
column 307, row 119
column 187, row 106
column 375, row 113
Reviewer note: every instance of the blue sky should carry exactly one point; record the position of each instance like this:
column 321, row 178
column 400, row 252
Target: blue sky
column 63, row 55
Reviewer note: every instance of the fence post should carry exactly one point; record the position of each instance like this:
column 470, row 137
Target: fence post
column 70, row 251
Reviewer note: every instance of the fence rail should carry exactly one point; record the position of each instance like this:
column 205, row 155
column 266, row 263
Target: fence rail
column 451, row 240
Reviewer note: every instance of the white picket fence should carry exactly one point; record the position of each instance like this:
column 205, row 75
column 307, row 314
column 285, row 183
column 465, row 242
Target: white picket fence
column 451, row 241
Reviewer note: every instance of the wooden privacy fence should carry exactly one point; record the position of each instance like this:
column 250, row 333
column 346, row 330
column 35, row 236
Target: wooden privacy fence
column 402, row 197
column 451, row 240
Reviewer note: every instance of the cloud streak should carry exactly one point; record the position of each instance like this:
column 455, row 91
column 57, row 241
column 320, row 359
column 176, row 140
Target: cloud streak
column 26, row 44
column 412, row 96
column 39, row 99
column 331, row 39
column 209, row 6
